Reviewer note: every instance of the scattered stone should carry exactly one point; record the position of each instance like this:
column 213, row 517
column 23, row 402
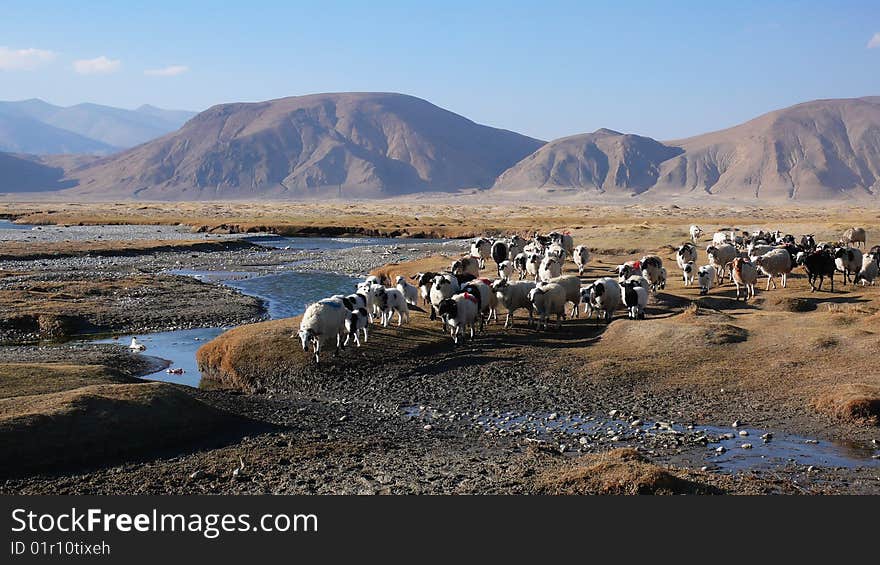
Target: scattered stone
column 743, row 433
column 428, row 427
column 553, row 416
column 635, row 423
column 812, row 441
column 613, row 413
column 720, row 449
column 746, row 446
column 767, row 437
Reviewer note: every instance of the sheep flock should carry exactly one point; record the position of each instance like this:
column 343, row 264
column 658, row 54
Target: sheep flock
column 529, row 276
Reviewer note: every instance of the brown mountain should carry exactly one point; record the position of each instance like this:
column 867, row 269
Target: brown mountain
column 818, row 150
column 602, row 161
column 353, row 144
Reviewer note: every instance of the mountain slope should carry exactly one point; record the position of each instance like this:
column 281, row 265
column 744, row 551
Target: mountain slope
column 602, row 161
column 356, row 144
column 820, row 150
column 21, row 134
column 26, row 173
column 111, row 127
column 815, row 150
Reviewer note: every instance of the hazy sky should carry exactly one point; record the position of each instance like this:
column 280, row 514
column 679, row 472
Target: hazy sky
column 544, row 68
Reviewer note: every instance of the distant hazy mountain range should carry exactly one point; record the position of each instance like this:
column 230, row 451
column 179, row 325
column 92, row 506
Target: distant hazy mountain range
column 375, row 144
column 37, row 127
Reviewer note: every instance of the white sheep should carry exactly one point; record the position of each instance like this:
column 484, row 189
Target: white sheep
column 605, row 297
column 550, row 268
column 357, row 320
column 481, row 248
column 460, row 313
column 744, row 274
column 581, row 258
column 775, row 263
column 410, row 292
column 706, row 278
column 572, row 286
column 520, row 261
column 322, row 322
column 548, row 300
column 719, row 256
column 513, row 296
column 696, row 233
column 635, row 298
column 505, row 270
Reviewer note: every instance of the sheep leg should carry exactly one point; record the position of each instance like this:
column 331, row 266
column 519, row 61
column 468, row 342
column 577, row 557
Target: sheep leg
column 784, row 279
column 365, row 335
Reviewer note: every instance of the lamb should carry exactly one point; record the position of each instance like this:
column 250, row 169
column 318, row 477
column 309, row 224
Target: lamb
column 557, row 251
column 653, row 271
column 719, row 256
column 572, row 286
column 808, row 242
column 706, row 278
column 322, row 322
column 410, row 292
column 720, row 238
column 443, row 287
column 533, row 265
column 869, row 271
column 854, row 235
column 550, row 268
column 627, row 270
column 481, row 248
column 818, row 265
column 688, row 271
column 391, row 301
column 635, row 298
column 686, row 255
column 499, row 252
column 466, row 265
column 581, row 258
column 848, row 260
column 357, row 320
column 486, row 300
column 515, row 246
column 548, row 299
column 744, row 274
column 605, row 297
column 775, row 263
column 696, row 232
column 505, row 270
column 519, row 263
column 755, row 250
column 513, row 296
column 381, row 280
column 460, row 313
column 357, row 301
column 370, row 290
column 564, row 240
column 424, row 281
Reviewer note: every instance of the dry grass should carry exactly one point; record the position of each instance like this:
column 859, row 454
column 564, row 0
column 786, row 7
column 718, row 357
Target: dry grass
column 26, row 379
column 620, row 471
column 96, row 422
column 853, row 403
column 16, row 251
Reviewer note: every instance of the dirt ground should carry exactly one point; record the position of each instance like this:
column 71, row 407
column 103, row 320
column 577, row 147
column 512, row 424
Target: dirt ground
column 402, row 414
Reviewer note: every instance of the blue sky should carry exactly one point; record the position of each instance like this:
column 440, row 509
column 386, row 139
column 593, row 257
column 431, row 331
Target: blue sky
column 547, row 69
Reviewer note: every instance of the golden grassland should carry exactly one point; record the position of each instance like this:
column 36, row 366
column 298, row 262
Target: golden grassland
column 612, row 225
